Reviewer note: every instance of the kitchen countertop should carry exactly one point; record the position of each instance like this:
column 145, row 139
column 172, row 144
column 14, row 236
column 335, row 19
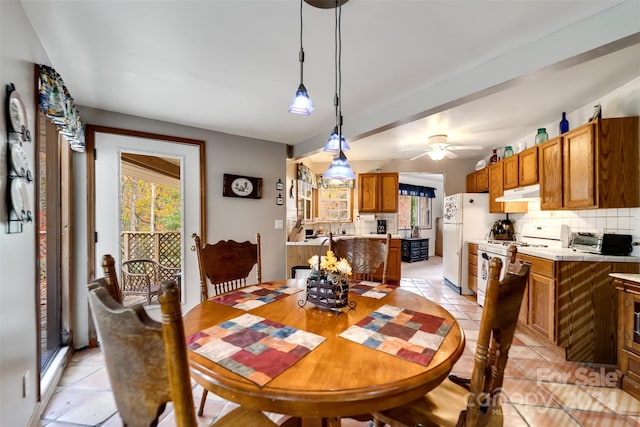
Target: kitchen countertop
column 568, row 254
column 627, row 276
column 318, row 241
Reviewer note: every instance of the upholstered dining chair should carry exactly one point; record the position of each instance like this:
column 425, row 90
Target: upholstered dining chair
column 226, row 265
column 147, row 361
column 365, row 255
column 475, row 401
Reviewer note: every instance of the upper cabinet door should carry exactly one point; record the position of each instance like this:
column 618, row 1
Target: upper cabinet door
column 528, row 165
column 389, row 192
column 511, row 174
column 496, row 187
column 550, row 170
column 578, row 162
column 368, row 192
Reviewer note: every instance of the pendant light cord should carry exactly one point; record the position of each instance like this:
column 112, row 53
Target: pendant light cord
column 301, row 54
column 338, row 71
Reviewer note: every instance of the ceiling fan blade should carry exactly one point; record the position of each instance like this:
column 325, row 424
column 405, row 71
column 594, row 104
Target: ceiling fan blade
column 464, row 147
column 418, row 156
column 451, row 155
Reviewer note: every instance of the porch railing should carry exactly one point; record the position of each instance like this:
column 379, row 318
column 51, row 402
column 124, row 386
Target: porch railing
column 162, row 247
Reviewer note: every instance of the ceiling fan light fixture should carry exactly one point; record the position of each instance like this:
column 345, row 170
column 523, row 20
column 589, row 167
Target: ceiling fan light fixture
column 437, row 154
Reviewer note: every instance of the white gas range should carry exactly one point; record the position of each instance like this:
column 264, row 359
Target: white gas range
column 532, row 235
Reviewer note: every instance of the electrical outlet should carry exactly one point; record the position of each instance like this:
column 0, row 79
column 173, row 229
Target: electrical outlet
column 279, row 224
column 26, row 384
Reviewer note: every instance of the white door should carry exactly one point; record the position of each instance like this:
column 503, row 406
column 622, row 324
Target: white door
column 109, row 148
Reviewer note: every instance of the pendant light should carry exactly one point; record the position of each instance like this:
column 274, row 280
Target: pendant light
column 339, row 168
column 301, row 103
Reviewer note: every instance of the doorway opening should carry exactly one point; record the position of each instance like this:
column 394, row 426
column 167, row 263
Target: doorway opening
column 150, row 225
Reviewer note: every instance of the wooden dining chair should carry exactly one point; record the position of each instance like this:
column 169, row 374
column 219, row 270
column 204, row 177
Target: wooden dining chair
column 111, row 278
column 476, row 401
column 365, row 255
column 147, row 361
column 226, row 264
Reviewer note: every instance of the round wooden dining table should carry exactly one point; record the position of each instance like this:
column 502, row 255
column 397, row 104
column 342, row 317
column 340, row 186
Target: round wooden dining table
column 340, row 377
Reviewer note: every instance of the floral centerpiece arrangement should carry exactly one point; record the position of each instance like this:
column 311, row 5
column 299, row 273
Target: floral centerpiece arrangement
column 328, row 284
column 330, row 263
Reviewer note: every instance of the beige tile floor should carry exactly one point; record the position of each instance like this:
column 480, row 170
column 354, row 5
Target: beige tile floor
column 540, row 388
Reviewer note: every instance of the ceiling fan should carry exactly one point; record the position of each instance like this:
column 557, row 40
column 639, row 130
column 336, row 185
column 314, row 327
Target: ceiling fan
column 438, row 148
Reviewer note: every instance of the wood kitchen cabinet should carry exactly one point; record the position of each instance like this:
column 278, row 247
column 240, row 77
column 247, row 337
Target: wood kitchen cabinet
column 538, row 306
column 478, row 181
column 521, row 170
column 473, row 267
column 528, row 167
column 378, row 192
column 628, row 290
column 572, row 304
column 592, row 166
column 511, row 174
column 550, row 169
column 496, row 189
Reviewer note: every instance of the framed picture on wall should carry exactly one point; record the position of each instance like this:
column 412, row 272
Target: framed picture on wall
column 246, row 187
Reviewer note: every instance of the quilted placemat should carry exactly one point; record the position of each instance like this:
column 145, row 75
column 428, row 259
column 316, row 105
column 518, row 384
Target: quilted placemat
column 253, row 347
column 375, row 290
column 404, row 333
column 256, row 295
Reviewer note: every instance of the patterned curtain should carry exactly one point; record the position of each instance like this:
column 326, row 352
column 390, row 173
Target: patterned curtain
column 305, row 174
column 416, row 190
column 57, row 104
column 334, row 183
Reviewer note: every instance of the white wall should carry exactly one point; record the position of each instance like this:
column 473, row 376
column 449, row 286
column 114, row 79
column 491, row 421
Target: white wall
column 19, row 48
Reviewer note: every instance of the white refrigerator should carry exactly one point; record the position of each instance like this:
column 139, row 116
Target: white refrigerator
column 466, row 217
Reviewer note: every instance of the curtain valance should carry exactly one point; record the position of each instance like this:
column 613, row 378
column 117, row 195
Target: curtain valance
column 305, row 174
column 57, row 104
column 416, row 190
column 334, row 183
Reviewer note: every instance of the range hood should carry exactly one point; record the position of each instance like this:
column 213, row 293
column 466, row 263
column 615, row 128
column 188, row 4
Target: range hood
column 521, row 194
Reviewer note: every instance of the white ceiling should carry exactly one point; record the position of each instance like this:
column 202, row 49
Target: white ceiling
column 479, row 71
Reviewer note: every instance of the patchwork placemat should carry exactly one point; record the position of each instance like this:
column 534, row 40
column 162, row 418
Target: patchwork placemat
column 253, row 347
column 375, row 290
column 256, row 295
column 405, row 333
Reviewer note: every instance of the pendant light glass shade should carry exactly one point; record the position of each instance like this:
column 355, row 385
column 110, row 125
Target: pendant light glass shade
column 334, row 143
column 301, row 103
column 340, row 169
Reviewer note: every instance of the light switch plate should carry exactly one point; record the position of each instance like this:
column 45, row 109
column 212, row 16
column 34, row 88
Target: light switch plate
column 279, row 224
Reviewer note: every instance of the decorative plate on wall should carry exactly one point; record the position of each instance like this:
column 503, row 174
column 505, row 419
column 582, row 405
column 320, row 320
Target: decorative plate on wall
column 17, row 112
column 246, row 187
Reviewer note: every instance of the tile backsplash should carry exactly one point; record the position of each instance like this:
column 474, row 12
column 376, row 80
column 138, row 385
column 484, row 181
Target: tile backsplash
column 620, row 220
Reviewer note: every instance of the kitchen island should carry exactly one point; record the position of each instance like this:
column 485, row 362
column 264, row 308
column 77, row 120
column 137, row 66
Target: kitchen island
column 299, row 252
